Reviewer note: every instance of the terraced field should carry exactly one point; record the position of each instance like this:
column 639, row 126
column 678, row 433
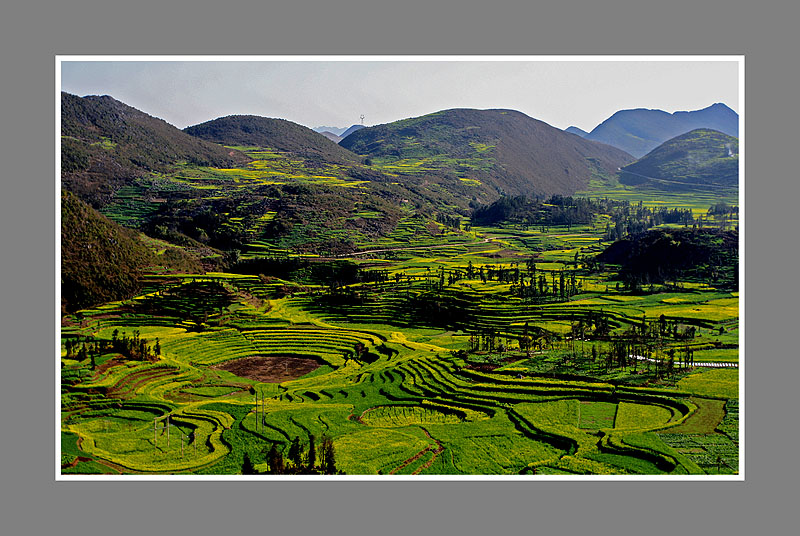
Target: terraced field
column 494, row 350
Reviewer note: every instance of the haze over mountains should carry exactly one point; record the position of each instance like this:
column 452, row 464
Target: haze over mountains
column 639, row 131
column 337, row 134
column 333, row 130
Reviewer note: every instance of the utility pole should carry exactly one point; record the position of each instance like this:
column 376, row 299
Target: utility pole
column 362, row 119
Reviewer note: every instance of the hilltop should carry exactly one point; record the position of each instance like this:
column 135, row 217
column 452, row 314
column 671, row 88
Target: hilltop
column 504, row 150
column 702, row 156
column 577, row 131
column 105, row 144
column 353, row 128
column 639, row 131
column 277, row 134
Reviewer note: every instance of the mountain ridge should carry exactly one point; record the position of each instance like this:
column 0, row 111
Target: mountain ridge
column 279, row 134
column 515, row 153
column 640, row 130
column 106, row 143
column 701, row 156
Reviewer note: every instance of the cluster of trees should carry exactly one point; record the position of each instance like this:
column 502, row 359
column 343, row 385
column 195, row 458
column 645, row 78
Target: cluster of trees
column 568, row 211
column 625, row 218
column 662, row 345
column 298, row 460
column 651, row 344
column 332, row 273
column 563, row 285
column 453, row 222
column 633, row 219
column 558, row 210
column 663, row 255
column 133, row 347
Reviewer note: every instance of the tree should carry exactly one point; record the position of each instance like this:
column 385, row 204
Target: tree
column 295, row 451
column 312, row 452
column 275, row 460
column 328, row 456
column 247, row 466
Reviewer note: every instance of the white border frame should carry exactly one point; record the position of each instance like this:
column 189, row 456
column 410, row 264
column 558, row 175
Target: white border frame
column 740, row 59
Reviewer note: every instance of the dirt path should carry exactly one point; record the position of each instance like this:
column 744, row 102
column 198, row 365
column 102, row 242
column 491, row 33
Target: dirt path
column 436, row 451
column 439, row 449
column 710, row 364
column 434, row 246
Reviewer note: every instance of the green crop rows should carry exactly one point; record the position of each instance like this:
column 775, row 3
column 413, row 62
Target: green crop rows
column 442, row 365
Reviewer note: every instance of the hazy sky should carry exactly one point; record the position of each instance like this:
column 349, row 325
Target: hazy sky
column 336, row 93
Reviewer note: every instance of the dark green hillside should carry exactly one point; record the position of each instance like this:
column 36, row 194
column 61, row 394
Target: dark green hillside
column 277, row 134
column 106, row 144
column 640, row 131
column 664, row 255
column 503, row 150
column 100, row 261
column 701, row 156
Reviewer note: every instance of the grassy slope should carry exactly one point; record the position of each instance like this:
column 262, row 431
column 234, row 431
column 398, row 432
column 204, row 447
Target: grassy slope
column 701, row 156
column 106, row 144
column 504, row 149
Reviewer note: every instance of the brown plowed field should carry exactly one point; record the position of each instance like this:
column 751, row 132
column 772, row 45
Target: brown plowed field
column 272, row 369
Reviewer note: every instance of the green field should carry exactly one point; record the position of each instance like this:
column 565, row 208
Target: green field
column 452, row 350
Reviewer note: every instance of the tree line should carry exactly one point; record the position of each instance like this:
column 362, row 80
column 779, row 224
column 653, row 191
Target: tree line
column 299, row 460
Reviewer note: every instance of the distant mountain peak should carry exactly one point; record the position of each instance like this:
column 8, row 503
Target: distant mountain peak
column 577, row 131
column 640, row 130
column 333, row 130
column 350, row 130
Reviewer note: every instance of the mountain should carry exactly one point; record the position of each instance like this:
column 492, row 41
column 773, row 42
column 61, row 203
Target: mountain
column 105, row 144
column 331, row 136
column 100, row 260
column 702, row 156
column 333, row 130
column 277, row 134
column 350, row 130
column 577, row 131
column 640, row 131
column 503, row 149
